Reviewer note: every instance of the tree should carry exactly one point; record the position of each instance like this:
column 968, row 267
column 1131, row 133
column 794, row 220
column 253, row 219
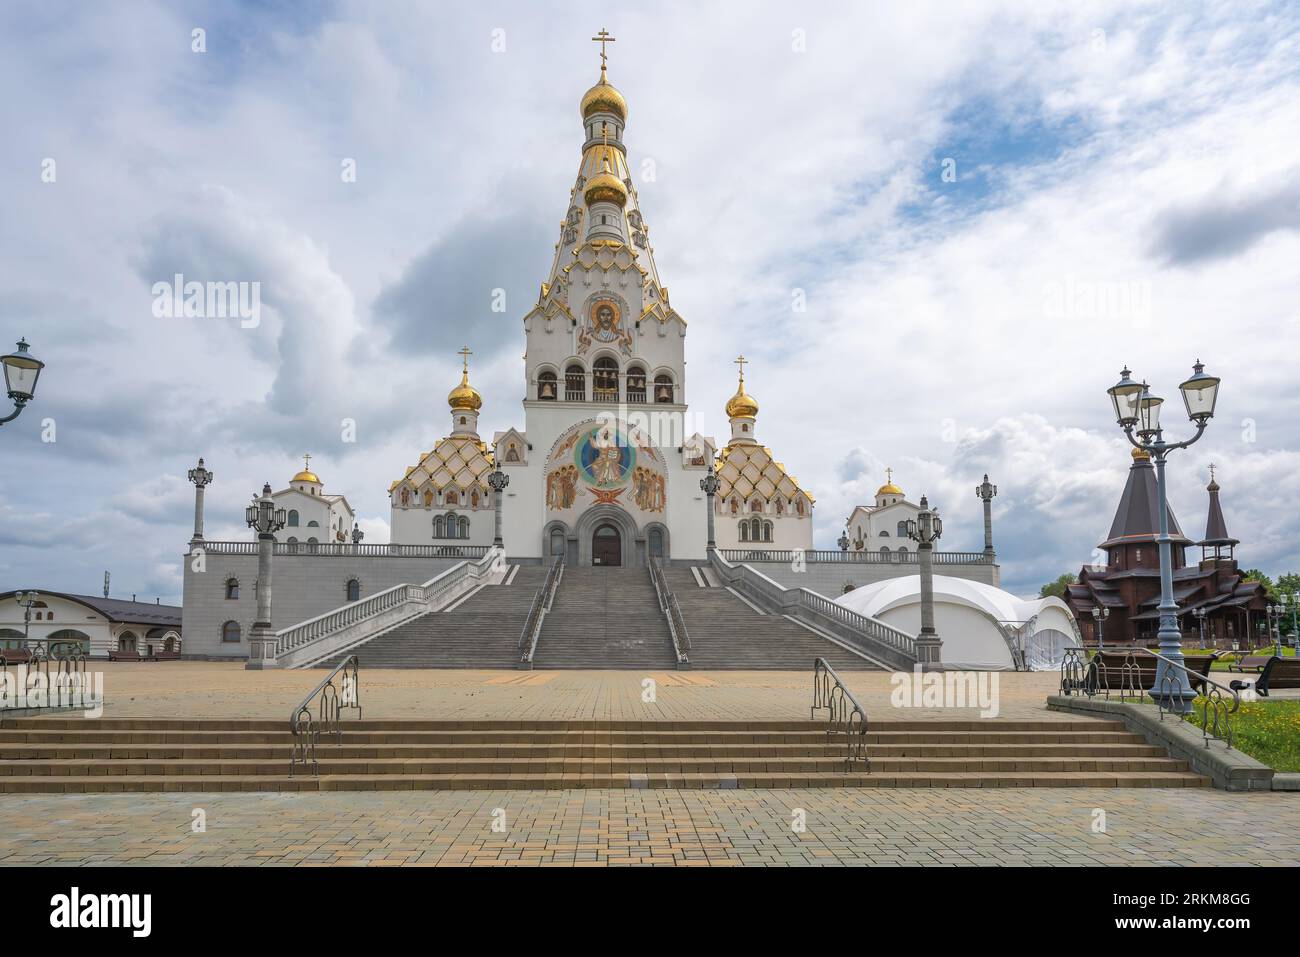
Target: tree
column 1255, row 575
column 1056, row 589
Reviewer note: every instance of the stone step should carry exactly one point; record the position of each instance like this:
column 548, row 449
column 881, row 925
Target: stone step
column 28, row 784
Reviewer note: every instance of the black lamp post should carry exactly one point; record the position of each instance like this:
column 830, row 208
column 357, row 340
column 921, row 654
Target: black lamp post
column 22, row 369
column 497, row 481
column 1099, row 616
column 265, row 519
column 709, row 485
column 1136, row 409
column 201, row 478
column 925, row 530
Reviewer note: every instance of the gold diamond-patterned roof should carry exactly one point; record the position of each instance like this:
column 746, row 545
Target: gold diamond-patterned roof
column 750, row 469
column 457, row 460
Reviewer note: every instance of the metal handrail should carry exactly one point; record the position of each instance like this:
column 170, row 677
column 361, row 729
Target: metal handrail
column 69, row 675
column 844, row 712
column 307, row 730
column 346, row 550
column 537, row 611
column 1081, row 674
column 672, row 612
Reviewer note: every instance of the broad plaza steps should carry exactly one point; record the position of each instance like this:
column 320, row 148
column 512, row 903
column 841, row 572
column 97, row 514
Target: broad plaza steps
column 159, row 754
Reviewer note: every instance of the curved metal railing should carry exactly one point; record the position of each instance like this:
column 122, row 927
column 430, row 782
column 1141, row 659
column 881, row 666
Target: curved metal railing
column 672, row 613
column 537, row 611
column 845, row 714
column 331, row 701
column 68, row 686
column 1082, row 674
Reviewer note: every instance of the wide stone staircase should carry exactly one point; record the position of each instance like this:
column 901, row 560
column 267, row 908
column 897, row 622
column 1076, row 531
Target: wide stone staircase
column 160, row 754
column 606, row 618
column 727, row 633
column 480, row 632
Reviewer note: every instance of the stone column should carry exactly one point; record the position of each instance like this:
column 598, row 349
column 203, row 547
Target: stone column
column 928, row 643
column 986, row 492
column 201, row 478
column 262, row 641
column 709, row 484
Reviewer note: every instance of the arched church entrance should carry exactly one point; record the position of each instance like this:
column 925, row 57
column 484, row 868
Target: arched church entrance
column 606, row 545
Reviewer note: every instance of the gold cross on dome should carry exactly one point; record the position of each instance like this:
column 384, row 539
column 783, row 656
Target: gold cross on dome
column 741, row 361
column 464, row 356
column 602, row 38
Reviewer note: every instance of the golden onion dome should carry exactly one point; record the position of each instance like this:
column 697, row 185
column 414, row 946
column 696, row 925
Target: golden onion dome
column 464, row 398
column 604, row 98
column 606, row 188
column 742, row 404
column 1141, row 455
column 889, row 488
column 306, row 476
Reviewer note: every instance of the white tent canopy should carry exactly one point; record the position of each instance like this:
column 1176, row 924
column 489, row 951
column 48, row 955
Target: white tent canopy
column 978, row 623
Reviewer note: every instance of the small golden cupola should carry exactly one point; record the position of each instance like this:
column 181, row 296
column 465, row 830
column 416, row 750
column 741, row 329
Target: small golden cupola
column 306, row 480
column 889, row 493
column 603, row 98
column 742, row 409
column 464, row 401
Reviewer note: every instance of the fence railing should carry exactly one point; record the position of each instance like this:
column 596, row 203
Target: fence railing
column 672, row 613
column 845, row 715
column 47, row 682
column 867, row 557
column 341, row 550
column 537, row 612
column 331, row 699
column 870, row 634
column 1135, row 675
column 418, row 597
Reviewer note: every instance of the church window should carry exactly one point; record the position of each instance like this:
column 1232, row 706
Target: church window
column 230, row 631
column 232, row 588
column 464, row 528
column 902, row 529
column 744, row 531
column 767, row 531
column 884, row 549
column 663, row 387
column 546, row 386
column 438, row 528
column 575, row 383
column 744, row 426
column 293, row 518
column 848, row 587
column 605, row 379
column 557, row 541
column 354, row 590
column 883, row 533
column 902, row 552
column 313, row 524
column 656, row 543
column 462, row 420
column 636, row 384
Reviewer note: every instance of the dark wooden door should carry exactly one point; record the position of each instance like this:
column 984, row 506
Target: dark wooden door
column 606, row 546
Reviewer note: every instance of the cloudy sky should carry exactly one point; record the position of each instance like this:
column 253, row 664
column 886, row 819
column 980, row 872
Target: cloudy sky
column 986, row 209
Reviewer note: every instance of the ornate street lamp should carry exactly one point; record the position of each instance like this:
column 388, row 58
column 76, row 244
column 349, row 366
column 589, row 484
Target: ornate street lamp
column 357, row 534
column 843, row 541
column 22, row 369
column 201, row 478
column 265, row 519
column 27, row 599
column 709, row 485
column 986, row 491
column 497, row 481
column 1275, row 613
column 1199, row 614
column 1136, row 408
column 1099, row 616
column 925, row 530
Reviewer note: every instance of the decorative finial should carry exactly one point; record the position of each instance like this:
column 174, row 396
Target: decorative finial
column 741, row 361
column 1212, row 468
column 464, row 358
column 602, row 38
column 306, row 461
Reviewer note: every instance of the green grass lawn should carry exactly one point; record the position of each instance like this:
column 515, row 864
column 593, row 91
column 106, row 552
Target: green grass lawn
column 1269, row 731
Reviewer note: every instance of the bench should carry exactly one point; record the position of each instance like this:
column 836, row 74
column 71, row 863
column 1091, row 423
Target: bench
column 1114, row 671
column 1279, row 674
column 15, row 656
column 166, row 656
column 123, row 655
column 1249, row 664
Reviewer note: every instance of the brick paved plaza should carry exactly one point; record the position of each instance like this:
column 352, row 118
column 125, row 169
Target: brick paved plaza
column 595, row 827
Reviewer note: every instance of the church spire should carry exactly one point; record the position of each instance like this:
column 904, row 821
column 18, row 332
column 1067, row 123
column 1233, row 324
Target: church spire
column 742, row 408
column 1216, row 529
column 464, row 401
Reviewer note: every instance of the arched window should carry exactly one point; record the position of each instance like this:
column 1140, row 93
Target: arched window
column 883, row 533
column 902, row 529
column 884, row 549
column 575, row 384
column 354, row 590
column 464, row 528
column 438, row 527
column 230, row 631
column 663, row 387
column 744, row 531
column 902, row 553
column 656, row 543
column 635, row 384
column 604, row 380
column 755, row 530
column 293, row 518
column 767, row 531
column 232, row 588
column 557, row 541
column 547, row 388
column 313, row 524
column 848, row 587
column 126, row 641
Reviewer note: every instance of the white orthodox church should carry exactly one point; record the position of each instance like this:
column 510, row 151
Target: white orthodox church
column 601, row 468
